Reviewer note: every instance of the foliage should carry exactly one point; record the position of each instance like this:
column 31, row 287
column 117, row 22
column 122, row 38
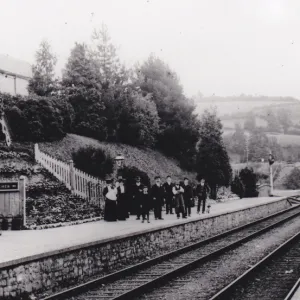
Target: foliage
column 236, row 142
column 93, row 161
column 212, row 158
column 37, row 119
column 271, row 118
column 260, row 146
column 250, row 123
column 249, row 179
column 284, row 119
column 80, row 69
column 106, row 108
column 237, row 186
column 61, row 207
column 43, row 82
column 292, row 153
column 81, row 88
column 130, row 174
column 104, row 53
column 132, row 119
column 150, row 161
column 178, row 123
column 292, row 181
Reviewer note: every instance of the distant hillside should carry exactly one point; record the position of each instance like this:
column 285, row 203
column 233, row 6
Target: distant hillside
column 237, row 106
column 150, row 161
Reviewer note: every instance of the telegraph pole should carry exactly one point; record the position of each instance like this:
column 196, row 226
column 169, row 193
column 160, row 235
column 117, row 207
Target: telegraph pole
column 247, row 149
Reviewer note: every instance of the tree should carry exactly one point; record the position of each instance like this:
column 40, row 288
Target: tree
column 43, row 82
column 81, row 69
column 212, row 158
column 111, row 71
column 178, row 122
column 250, row 123
column 238, row 140
column 260, row 146
column 81, row 87
column 138, row 121
column 271, row 118
column 293, row 180
column 36, row 119
column 284, row 118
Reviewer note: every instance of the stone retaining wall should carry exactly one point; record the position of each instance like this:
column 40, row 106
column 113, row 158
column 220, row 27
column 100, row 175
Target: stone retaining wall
column 51, row 272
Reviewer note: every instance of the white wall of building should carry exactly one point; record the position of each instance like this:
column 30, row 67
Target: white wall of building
column 7, row 85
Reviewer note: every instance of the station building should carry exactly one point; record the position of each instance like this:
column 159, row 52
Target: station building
column 14, row 75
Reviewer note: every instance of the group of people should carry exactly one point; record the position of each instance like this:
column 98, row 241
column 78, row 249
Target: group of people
column 139, row 199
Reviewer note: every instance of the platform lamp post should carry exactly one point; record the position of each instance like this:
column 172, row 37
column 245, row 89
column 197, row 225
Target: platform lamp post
column 271, row 162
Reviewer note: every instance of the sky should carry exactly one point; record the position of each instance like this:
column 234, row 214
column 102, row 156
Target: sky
column 221, row 47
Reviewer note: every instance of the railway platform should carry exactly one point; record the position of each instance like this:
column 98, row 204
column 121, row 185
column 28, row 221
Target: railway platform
column 44, row 261
column 17, row 245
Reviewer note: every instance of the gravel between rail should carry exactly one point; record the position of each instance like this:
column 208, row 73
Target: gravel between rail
column 210, row 277
column 273, row 279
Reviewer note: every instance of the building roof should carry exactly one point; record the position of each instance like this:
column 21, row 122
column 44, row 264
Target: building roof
column 12, row 66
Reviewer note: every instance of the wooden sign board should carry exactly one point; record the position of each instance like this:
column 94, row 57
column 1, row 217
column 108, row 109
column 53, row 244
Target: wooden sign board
column 9, row 186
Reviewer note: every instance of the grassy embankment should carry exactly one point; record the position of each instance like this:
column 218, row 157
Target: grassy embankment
column 150, row 161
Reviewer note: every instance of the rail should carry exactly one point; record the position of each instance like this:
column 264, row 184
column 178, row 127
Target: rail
column 137, row 279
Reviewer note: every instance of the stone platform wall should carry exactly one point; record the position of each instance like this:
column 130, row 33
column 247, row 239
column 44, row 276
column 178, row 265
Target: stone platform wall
column 51, row 272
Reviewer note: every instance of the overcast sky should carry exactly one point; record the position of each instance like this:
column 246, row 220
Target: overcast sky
column 222, row 47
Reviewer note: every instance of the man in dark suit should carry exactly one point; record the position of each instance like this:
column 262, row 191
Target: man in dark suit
column 188, row 197
column 168, row 186
column 158, row 194
column 202, row 192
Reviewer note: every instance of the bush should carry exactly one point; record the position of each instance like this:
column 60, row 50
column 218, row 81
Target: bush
column 237, row 186
column 37, row 119
column 94, row 161
column 292, row 181
column 249, row 179
column 295, row 131
column 130, row 173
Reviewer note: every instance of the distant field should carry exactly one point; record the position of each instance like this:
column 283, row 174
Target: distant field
column 282, row 139
column 287, row 139
column 232, row 107
column 231, row 123
column 150, row 161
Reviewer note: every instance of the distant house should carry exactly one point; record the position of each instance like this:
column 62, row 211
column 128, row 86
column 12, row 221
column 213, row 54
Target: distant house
column 14, row 75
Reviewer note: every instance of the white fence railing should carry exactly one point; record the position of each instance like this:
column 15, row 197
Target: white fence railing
column 80, row 183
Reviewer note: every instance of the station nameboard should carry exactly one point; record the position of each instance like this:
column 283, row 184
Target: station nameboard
column 9, row 186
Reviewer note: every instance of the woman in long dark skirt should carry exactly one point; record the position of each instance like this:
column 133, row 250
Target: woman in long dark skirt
column 122, row 205
column 110, row 194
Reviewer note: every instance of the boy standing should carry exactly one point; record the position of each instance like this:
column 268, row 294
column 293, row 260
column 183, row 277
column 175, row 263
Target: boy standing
column 146, row 204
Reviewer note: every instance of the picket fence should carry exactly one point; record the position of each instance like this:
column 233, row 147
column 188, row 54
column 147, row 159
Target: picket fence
column 78, row 182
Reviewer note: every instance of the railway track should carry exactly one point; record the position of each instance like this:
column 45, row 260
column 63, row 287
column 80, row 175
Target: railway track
column 274, row 277
column 294, row 291
column 133, row 281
